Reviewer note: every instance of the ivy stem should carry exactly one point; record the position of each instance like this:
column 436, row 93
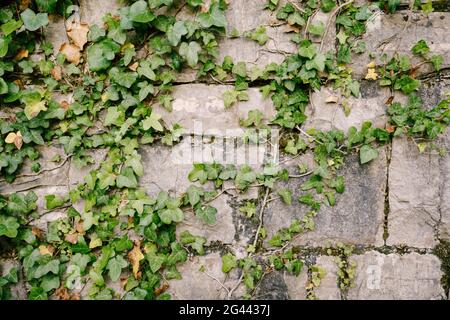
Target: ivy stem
column 329, row 22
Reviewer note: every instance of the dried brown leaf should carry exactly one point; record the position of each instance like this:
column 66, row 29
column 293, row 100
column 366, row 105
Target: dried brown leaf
column 16, row 138
column 23, row 53
column 72, row 238
column 71, row 51
column 135, row 257
column 57, row 73
column 78, row 34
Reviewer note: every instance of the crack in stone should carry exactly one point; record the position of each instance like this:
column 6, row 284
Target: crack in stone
column 386, row 195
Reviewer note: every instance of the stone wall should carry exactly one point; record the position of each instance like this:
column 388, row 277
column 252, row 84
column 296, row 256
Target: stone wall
column 395, row 210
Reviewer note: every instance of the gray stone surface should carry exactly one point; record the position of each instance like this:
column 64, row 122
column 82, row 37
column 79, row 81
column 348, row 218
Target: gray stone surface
column 200, row 107
column 197, row 285
column 92, row 11
column 55, row 32
column 51, row 174
column 392, row 276
column 434, row 29
column 296, row 285
column 223, row 230
column 414, row 195
column 357, row 216
column 369, row 107
column 418, row 185
column 328, row 289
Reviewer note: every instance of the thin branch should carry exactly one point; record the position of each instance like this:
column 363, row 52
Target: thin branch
column 230, row 292
column 329, row 21
column 217, row 280
column 42, row 171
column 261, row 213
column 301, row 175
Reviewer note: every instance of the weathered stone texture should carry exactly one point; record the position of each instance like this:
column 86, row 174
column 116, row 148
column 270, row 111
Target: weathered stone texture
column 387, row 34
column 93, row 11
column 200, row 107
column 411, row 276
column 296, row 285
column 357, row 216
column 414, row 181
column 223, row 230
column 197, row 285
column 328, row 289
column 418, row 185
column 369, row 107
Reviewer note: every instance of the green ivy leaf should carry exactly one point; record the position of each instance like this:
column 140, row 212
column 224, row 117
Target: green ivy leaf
column 155, row 261
column 307, row 49
column 100, row 55
column 194, row 3
column 190, row 52
column 115, row 266
column 139, row 12
column 317, row 63
column 4, row 45
column 214, row 17
column 367, row 154
column 420, row 48
column 53, row 201
column 229, row 262
column 126, row 179
column 317, row 29
column 195, row 242
column 11, row 26
column 207, row 214
column 259, row 35
column 8, row 226
column 152, row 122
column 33, row 21
column 327, row 5
column 245, row 177
column 37, row 293
column 198, row 173
column 286, row 195
column 437, row 61
column 407, row 84
column 240, row 69
column 175, row 32
column 254, row 118
column 123, row 78
column 194, row 193
column 170, row 215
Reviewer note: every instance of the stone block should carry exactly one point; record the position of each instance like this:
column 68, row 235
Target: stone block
column 357, row 216
column 396, row 277
column 369, row 107
column 197, row 285
column 414, row 195
column 328, row 288
column 385, row 35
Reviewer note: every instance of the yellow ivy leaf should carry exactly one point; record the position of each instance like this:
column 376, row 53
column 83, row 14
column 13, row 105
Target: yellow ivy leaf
column 71, row 51
column 15, row 138
column 32, row 110
column 135, row 257
column 95, row 243
column 371, row 74
column 43, row 249
column 371, row 65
